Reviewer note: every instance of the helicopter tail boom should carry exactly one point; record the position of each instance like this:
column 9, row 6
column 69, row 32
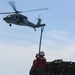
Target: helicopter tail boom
column 37, row 26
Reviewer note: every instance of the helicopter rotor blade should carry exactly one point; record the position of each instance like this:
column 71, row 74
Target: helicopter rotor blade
column 6, row 13
column 10, row 12
column 36, row 10
column 14, row 7
column 12, row 4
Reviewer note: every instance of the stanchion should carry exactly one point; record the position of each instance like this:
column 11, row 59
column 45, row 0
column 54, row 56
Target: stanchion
column 42, row 28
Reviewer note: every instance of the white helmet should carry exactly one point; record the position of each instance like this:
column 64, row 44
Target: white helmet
column 42, row 53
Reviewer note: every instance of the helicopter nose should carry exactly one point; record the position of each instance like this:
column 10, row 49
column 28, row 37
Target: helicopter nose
column 4, row 18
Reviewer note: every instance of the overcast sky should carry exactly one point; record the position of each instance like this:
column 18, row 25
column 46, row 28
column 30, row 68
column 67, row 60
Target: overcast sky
column 19, row 44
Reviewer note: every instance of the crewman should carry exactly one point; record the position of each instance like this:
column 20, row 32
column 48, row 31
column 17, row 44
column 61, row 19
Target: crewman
column 39, row 64
column 32, row 72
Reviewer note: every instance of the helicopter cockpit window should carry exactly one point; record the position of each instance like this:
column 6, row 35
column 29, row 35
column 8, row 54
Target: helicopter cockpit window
column 8, row 16
column 13, row 17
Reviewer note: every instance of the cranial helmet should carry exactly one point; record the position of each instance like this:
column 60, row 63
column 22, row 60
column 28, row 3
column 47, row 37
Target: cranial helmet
column 37, row 55
column 42, row 53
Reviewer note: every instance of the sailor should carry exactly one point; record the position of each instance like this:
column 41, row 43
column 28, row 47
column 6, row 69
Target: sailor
column 32, row 72
column 39, row 64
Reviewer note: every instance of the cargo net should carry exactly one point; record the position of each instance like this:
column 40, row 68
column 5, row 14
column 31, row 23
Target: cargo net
column 60, row 67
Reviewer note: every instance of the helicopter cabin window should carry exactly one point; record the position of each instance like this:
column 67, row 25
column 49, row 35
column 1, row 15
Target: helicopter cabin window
column 25, row 19
column 16, row 17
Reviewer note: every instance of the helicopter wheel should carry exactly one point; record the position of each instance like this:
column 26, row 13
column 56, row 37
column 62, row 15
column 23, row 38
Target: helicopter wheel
column 10, row 25
column 34, row 29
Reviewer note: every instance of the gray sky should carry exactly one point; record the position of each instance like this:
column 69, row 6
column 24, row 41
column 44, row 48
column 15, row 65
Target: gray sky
column 18, row 44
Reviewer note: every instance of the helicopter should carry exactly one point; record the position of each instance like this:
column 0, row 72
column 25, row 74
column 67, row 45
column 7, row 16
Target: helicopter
column 19, row 19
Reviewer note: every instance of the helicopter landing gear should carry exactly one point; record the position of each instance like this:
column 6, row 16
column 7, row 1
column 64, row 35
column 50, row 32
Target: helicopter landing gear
column 34, row 29
column 10, row 25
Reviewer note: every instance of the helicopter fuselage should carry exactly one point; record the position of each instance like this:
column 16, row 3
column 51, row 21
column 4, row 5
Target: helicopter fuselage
column 21, row 20
column 17, row 19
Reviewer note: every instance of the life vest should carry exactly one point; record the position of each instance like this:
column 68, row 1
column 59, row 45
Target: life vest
column 40, row 63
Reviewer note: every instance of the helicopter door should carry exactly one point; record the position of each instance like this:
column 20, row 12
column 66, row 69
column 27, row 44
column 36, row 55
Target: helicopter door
column 21, row 19
column 17, row 18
